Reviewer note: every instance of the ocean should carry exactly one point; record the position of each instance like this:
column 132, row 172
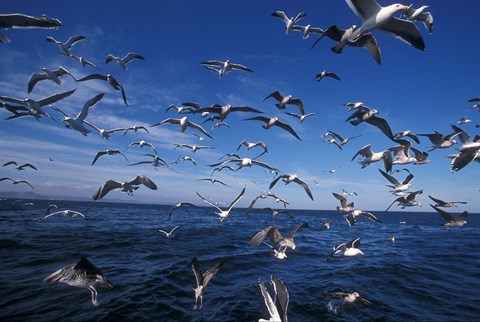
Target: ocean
column 430, row 273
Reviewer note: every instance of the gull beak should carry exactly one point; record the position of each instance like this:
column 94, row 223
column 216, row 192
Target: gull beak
column 406, row 8
column 360, row 252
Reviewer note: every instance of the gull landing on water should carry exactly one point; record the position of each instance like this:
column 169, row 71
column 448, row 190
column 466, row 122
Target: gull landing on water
column 203, row 279
column 278, row 307
column 223, row 213
column 82, row 274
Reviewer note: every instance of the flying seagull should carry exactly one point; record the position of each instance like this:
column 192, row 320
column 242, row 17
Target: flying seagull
column 203, row 279
column 251, row 145
column 142, row 143
column 65, row 213
column 18, row 20
column 419, row 14
column 398, row 186
column 269, row 122
column 369, row 116
column 123, row 61
column 82, row 274
column 53, row 75
column 452, row 222
column 285, row 100
column 223, row 213
column 344, row 206
column 107, row 152
column 300, row 117
column 183, row 123
column 287, row 178
column 375, row 16
column 276, row 238
column 244, row 162
column 307, row 30
column 128, row 186
column 16, row 181
column 212, row 180
column 347, row 249
column 277, row 308
column 178, row 205
column 78, row 123
column 225, row 66
column 370, row 157
column 408, row 201
column 81, row 60
column 223, row 111
column 408, row 133
column 446, row 204
column 367, row 41
column 341, row 139
column 289, row 22
column 169, row 234
column 65, row 46
column 352, row 216
column 194, row 148
column 21, row 166
column 439, row 141
column 109, row 79
column 324, row 73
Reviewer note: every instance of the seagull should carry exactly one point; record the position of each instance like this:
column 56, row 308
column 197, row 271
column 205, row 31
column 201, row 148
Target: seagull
column 21, row 166
column 465, row 156
column 332, row 171
column 350, row 297
column 440, row 141
column 418, row 14
column 184, row 158
column 49, row 209
column 287, row 178
column 82, row 274
column 194, row 148
column 326, row 224
column 289, row 22
column 221, row 169
column 36, row 105
column 107, row 152
column 278, row 307
column 109, row 79
column 219, row 125
column 170, row 234
column 180, row 109
column 397, row 186
column 342, row 140
column 17, row 181
column 347, row 193
column 128, row 186
column 400, row 170
column 463, row 120
column 143, row 143
column 203, row 279
column 446, row 204
column 277, row 212
column 408, row 133
column 77, row 123
column 223, row 213
column 344, row 206
column 401, row 153
column 212, row 180
column 156, row 162
column 281, row 253
column 135, row 129
column 269, row 122
column 375, row 16
column 371, row 157
column 347, row 249
column 285, row 100
column 300, row 117
column 352, row 217
column 178, row 205
column 251, row 145
column 420, row 157
column 81, row 60
column 47, row 74
column 452, row 222
column 123, row 61
column 334, row 142
column 408, row 201
column 103, row 133
column 276, row 237
column 66, row 213
column 65, row 47
column 307, row 30
column 18, row 20
column 367, row 41
column 324, row 73
column 368, row 115
column 244, row 162
column 183, row 123
column 223, row 111
column 355, row 105
column 225, row 66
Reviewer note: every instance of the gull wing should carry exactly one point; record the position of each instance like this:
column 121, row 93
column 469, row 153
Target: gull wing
column 263, row 164
column 106, row 188
column 214, row 63
column 408, row 179
column 281, row 298
column 353, row 243
column 370, row 216
column 93, row 76
column 34, row 79
column 412, row 195
column 236, row 199
column 364, row 8
column 197, row 271
column 405, row 30
column 336, row 135
column 73, row 40
column 242, row 67
column 287, row 128
column 200, row 128
column 131, row 56
column 17, row 20
column 294, row 230
column 13, row 100
column 142, row 179
column 90, row 103
column 342, row 199
column 390, row 178
column 439, row 202
column 55, row 98
column 280, row 14
column 260, row 236
column 208, row 275
column 366, row 151
column 274, row 182
column 369, row 42
column 209, row 202
column 276, row 95
column 336, row 249
column 299, row 16
column 399, row 199
column 382, row 124
column 443, row 213
column 272, row 308
column 463, row 215
column 65, row 275
column 99, row 154
column 305, row 186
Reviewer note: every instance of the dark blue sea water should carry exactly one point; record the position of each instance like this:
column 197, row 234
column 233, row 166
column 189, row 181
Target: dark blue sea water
column 430, row 273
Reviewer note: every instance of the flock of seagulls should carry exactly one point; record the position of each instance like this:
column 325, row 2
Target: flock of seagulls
column 373, row 17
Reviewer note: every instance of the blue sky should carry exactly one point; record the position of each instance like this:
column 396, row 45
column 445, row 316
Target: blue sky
column 421, row 91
